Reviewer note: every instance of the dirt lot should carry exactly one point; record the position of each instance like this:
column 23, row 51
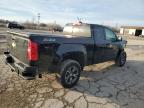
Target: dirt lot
column 101, row 86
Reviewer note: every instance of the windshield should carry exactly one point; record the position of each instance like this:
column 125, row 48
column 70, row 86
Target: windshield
column 77, row 30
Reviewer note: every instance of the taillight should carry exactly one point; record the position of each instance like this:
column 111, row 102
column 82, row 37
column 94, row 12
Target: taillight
column 32, row 51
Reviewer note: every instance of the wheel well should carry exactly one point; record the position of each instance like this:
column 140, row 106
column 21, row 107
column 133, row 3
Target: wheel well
column 77, row 57
column 120, row 50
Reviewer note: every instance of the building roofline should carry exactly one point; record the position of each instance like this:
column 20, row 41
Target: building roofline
column 132, row 27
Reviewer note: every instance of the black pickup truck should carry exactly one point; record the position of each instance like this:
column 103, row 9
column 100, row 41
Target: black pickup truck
column 31, row 53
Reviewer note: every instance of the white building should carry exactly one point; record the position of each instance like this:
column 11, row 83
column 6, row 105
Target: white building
column 132, row 30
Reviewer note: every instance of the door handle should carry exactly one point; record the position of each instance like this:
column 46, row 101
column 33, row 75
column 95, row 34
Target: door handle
column 109, row 45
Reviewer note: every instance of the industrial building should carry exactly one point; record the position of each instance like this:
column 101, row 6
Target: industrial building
column 132, row 30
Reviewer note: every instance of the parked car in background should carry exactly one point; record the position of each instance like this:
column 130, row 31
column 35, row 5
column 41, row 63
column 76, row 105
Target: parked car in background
column 14, row 25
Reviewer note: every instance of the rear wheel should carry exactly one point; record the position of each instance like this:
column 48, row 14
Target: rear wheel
column 70, row 73
column 121, row 59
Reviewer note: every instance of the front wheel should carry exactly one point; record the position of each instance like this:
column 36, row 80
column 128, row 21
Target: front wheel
column 70, row 73
column 121, row 59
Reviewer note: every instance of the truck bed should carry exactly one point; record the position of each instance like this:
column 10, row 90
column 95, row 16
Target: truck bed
column 28, row 32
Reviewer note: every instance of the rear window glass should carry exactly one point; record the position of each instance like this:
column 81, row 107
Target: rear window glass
column 77, row 30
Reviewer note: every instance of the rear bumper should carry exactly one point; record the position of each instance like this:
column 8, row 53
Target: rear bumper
column 25, row 71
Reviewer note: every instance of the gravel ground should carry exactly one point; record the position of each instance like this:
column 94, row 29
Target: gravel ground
column 101, row 86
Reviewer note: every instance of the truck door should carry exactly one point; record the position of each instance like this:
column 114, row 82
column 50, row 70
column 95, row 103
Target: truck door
column 111, row 48
column 100, row 43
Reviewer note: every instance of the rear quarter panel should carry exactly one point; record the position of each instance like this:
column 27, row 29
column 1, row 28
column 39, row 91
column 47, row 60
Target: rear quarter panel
column 53, row 50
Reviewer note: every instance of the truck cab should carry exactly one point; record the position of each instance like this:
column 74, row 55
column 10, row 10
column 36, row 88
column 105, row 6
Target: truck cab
column 102, row 41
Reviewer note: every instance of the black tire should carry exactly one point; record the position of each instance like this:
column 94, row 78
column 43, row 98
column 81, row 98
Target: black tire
column 121, row 59
column 70, row 73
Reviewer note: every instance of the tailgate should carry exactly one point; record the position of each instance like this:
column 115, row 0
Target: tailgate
column 17, row 46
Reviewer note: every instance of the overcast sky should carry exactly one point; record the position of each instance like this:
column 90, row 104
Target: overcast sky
column 129, row 12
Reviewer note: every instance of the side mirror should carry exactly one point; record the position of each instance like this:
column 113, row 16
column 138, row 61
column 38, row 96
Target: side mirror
column 119, row 38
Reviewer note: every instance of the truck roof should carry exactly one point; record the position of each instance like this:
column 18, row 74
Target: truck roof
column 77, row 23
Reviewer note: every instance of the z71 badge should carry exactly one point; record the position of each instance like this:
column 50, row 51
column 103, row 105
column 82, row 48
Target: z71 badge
column 49, row 39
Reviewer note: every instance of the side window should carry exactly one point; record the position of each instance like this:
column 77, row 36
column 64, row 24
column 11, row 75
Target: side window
column 110, row 35
column 99, row 33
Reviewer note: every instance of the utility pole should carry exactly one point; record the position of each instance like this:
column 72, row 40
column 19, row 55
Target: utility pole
column 38, row 16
